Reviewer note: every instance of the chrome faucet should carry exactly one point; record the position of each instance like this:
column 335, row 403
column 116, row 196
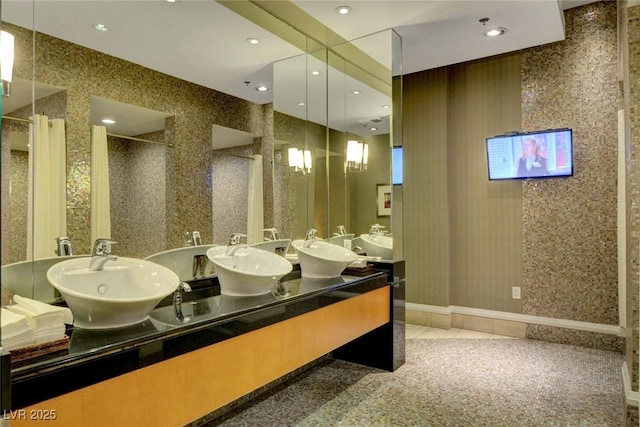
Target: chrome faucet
column 270, row 234
column 192, row 238
column 177, row 299
column 376, row 229
column 340, row 231
column 101, row 253
column 236, row 239
column 64, row 246
column 235, row 243
column 310, row 237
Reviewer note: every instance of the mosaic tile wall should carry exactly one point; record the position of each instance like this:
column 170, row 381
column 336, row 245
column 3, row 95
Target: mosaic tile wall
column 84, row 72
column 632, row 93
column 137, row 185
column 570, row 243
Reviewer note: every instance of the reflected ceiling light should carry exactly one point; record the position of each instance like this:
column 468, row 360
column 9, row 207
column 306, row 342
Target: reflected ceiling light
column 315, row 73
column 108, row 121
column 301, row 104
column 357, row 156
column 252, row 40
column 386, row 106
column 373, row 128
column 262, row 88
column 6, row 62
column 494, row 32
column 171, row 1
column 356, row 92
column 300, row 160
column 343, row 10
column 101, row 27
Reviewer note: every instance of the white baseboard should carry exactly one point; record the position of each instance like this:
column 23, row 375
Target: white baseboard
column 631, row 398
column 523, row 318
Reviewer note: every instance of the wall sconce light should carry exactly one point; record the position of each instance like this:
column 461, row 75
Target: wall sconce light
column 357, row 156
column 300, row 160
column 6, row 62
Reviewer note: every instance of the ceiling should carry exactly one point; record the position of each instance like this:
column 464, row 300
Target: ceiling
column 204, row 42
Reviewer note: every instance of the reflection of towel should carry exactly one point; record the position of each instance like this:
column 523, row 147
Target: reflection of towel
column 38, row 308
column 15, row 330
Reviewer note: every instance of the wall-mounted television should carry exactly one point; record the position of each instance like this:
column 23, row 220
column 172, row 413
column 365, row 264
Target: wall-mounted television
column 540, row 154
column 396, row 165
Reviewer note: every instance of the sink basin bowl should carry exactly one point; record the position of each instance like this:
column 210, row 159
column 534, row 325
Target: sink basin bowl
column 377, row 245
column 188, row 263
column 248, row 271
column 29, row 278
column 322, row 259
column 122, row 294
column 278, row 247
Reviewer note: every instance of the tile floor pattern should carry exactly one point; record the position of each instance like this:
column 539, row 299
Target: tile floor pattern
column 452, row 378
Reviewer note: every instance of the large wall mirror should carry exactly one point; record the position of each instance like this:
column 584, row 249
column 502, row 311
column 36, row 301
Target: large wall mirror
column 340, row 116
column 179, row 156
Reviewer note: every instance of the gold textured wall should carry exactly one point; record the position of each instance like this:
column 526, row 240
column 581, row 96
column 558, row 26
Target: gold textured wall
column 570, row 241
column 425, row 189
column 485, row 216
column 194, row 109
column 462, row 232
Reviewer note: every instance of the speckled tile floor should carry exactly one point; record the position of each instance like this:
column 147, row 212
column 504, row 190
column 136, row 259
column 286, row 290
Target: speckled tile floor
column 451, row 378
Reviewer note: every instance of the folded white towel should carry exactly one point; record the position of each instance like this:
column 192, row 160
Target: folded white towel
column 54, row 336
column 38, row 321
column 18, row 341
column 38, row 307
column 12, row 324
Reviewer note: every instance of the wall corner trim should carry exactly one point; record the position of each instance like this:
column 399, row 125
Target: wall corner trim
column 631, row 398
column 517, row 317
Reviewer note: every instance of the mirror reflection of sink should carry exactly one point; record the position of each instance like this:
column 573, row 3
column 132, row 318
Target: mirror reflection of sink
column 321, row 259
column 377, row 245
column 189, row 262
column 193, row 311
column 122, row 294
column 278, row 247
column 247, row 271
column 29, row 278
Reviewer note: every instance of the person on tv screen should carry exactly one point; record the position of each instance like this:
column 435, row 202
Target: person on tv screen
column 531, row 163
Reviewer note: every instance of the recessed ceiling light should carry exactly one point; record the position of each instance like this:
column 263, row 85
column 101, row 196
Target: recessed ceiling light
column 300, row 104
column 171, row 1
column 356, row 92
column 108, row 121
column 262, row 88
column 373, row 128
column 101, row 27
column 252, row 40
column 315, row 73
column 494, row 32
column 386, row 106
column 343, row 10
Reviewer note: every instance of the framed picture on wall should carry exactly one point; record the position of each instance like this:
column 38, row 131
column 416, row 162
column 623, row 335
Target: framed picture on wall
column 384, row 199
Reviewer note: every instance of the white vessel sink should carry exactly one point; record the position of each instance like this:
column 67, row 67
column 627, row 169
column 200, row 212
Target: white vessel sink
column 247, row 271
column 321, row 259
column 377, row 245
column 29, row 278
column 278, row 247
column 122, row 294
column 181, row 261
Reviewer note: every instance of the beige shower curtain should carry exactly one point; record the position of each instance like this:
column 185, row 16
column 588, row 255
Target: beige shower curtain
column 47, row 203
column 255, row 215
column 100, row 194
